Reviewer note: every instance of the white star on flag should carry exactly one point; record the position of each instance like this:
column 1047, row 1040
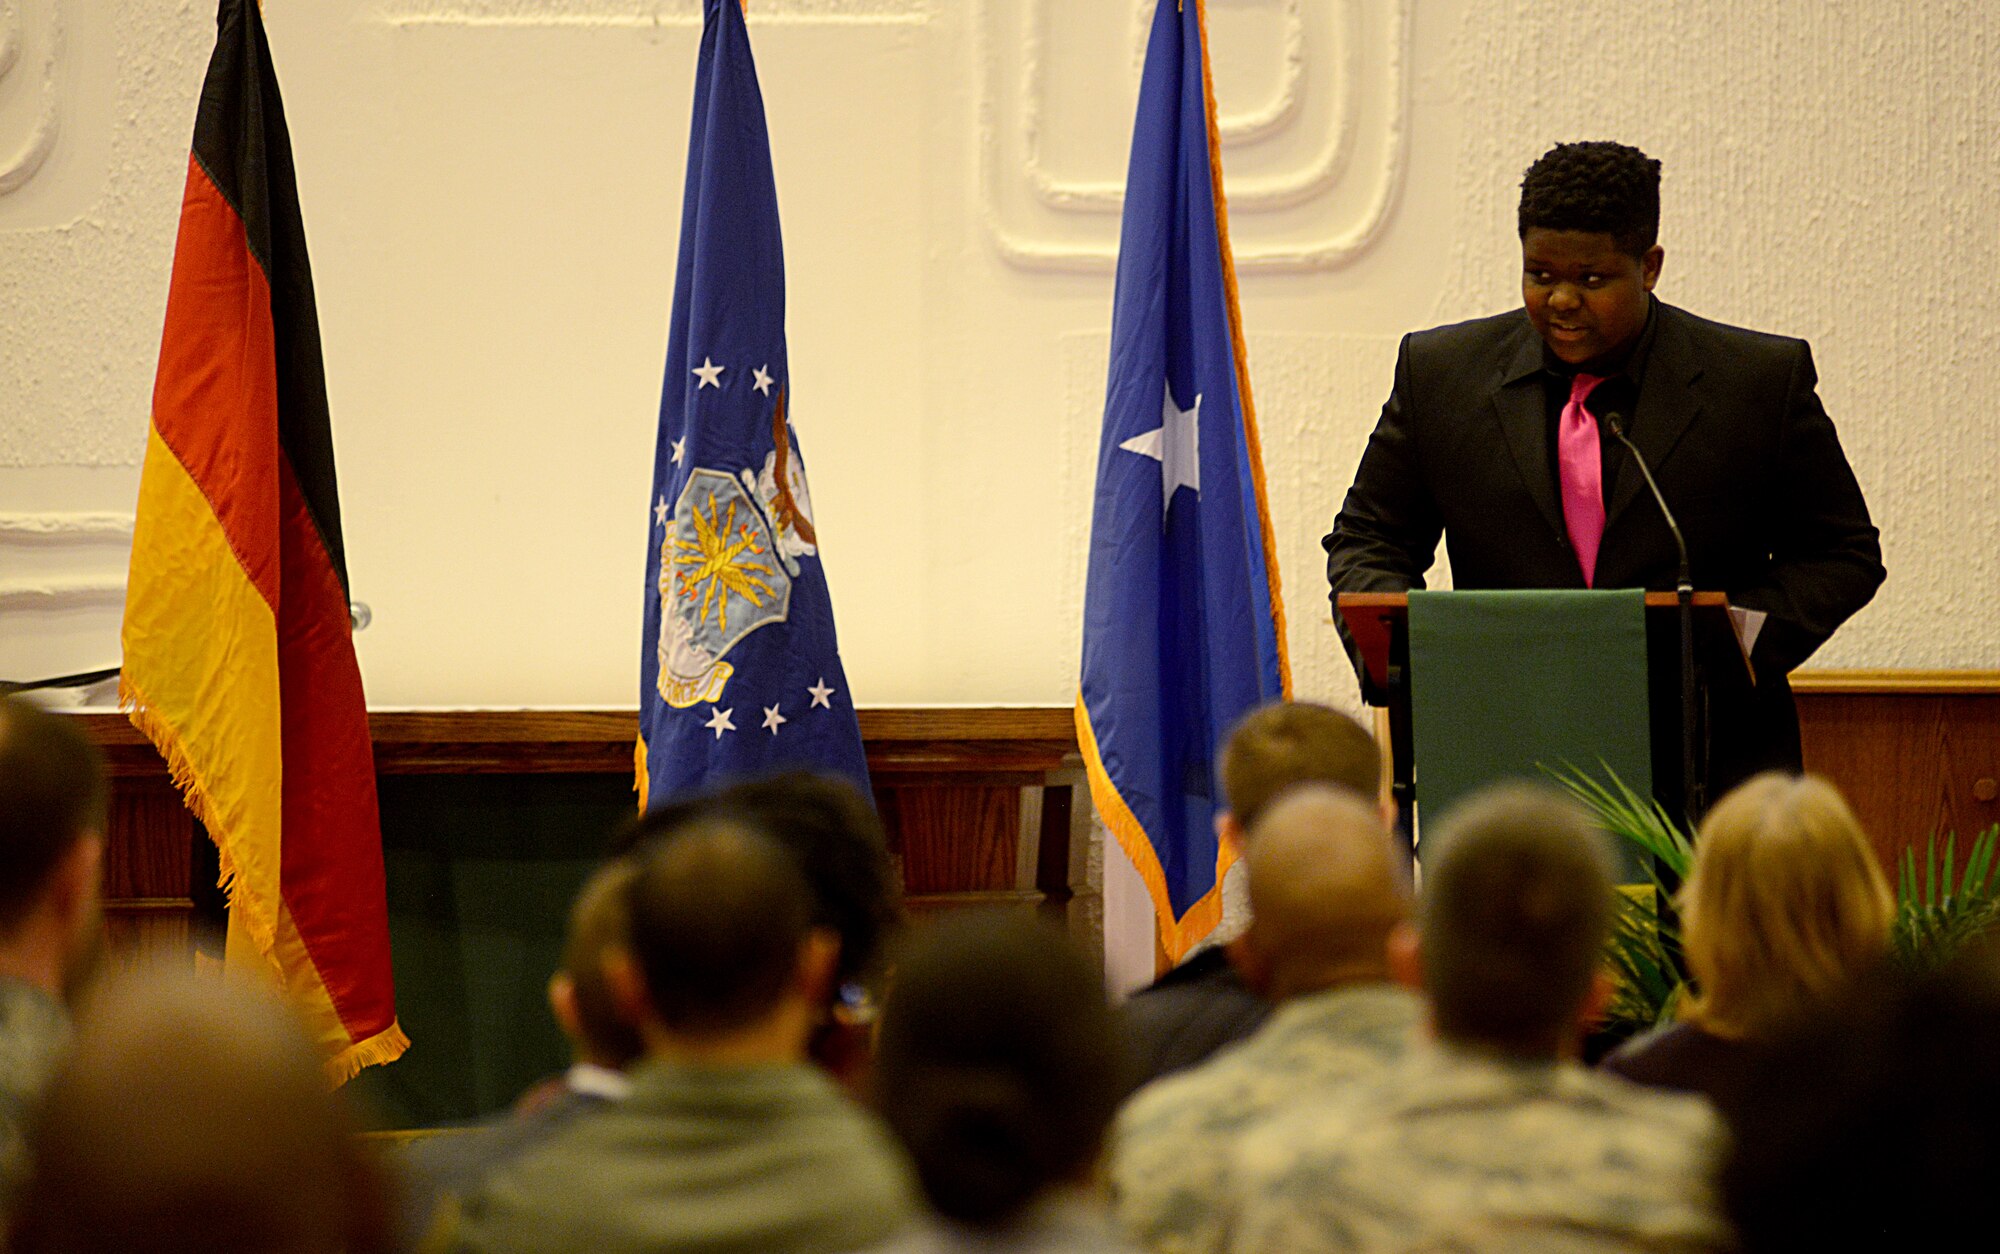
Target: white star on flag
column 680, row 450
column 821, row 694
column 763, row 380
column 720, row 722
column 711, row 375
column 772, row 718
column 660, row 510
column 1176, row 445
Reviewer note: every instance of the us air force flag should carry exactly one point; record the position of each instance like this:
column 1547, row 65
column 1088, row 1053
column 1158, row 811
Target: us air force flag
column 739, row 672
column 1183, row 627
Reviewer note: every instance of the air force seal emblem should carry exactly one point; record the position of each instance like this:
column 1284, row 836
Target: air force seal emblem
column 723, row 575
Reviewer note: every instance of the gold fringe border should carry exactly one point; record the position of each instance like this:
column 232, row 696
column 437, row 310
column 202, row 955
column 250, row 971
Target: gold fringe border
column 1250, row 437
column 1175, row 937
column 385, row 1046
column 642, row 780
column 259, row 919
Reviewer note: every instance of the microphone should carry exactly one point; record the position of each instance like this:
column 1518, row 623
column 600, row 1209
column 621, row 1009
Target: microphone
column 1694, row 789
column 1615, row 423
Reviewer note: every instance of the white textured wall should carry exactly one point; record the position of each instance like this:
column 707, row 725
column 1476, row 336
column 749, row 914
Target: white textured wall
column 492, row 188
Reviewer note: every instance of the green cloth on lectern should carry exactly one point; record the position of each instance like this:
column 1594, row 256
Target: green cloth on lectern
column 1504, row 682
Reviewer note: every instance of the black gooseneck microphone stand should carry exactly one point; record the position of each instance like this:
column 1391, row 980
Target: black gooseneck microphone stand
column 1693, row 787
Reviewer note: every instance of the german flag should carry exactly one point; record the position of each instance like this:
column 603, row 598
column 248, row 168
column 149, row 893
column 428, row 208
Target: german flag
column 238, row 655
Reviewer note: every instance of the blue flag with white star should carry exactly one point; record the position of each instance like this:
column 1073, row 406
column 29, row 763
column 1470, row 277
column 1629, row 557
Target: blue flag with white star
column 739, row 673
column 1183, row 629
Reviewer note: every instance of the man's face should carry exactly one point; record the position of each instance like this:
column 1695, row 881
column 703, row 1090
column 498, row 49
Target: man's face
column 1586, row 296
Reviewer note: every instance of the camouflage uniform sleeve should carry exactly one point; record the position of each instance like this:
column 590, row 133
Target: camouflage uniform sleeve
column 1165, row 1168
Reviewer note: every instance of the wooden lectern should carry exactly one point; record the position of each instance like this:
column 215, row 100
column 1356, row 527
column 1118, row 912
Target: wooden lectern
column 1377, row 623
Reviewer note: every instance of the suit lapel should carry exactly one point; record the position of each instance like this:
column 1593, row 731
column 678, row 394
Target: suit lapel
column 1668, row 404
column 1521, row 406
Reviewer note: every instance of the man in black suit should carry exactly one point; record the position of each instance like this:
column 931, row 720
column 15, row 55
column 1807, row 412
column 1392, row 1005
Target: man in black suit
column 1491, row 440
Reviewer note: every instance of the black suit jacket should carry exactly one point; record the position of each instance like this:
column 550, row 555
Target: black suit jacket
column 1731, row 423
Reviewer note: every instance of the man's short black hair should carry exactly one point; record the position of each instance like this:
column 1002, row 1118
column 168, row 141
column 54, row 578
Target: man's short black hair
column 1594, row 186
column 999, row 1064
column 838, row 841
column 599, row 922
column 718, row 914
column 52, row 793
column 1515, row 911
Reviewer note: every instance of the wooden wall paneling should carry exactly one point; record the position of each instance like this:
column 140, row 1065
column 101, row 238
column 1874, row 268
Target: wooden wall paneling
column 956, row 843
column 1062, row 872
column 963, row 792
column 1028, row 838
column 148, row 908
column 986, row 806
column 1972, row 746
column 1887, row 757
column 1915, row 753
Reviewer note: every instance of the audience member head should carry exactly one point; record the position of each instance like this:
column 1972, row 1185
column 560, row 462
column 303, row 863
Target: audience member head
column 1287, row 743
column 194, row 1115
column 1515, row 910
column 579, row 994
column 52, row 814
column 999, row 1064
column 833, row 832
column 1597, row 187
column 1326, row 889
column 1785, row 905
column 1874, row 1122
column 724, row 965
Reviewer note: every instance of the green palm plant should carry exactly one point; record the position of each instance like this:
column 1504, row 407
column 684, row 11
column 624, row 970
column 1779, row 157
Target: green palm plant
column 1644, row 950
column 1943, row 911
column 1940, row 907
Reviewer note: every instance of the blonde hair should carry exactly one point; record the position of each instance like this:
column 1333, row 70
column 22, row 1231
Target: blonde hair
column 1785, row 905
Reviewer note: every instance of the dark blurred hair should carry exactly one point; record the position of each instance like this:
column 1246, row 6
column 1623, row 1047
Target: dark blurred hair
column 999, row 1063
column 1515, row 910
column 1287, row 743
column 193, row 1115
column 1876, row 1123
column 838, row 841
column 599, row 921
column 52, row 792
column 719, row 912
column 1594, row 186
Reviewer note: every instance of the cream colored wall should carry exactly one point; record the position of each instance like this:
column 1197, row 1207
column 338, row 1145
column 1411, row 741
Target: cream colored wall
column 491, row 191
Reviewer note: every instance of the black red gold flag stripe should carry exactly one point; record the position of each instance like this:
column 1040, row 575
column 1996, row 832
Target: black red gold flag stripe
column 238, row 658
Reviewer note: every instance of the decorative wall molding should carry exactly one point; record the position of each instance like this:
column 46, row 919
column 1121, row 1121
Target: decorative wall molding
column 64, row 527
column 1013, row 158
column 639, row 14
column 1278, row 111
column 105, row 531
column 61, row 593
column 22, row 163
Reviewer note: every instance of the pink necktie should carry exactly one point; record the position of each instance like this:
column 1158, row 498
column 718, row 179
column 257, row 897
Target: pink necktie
column 1582, row 465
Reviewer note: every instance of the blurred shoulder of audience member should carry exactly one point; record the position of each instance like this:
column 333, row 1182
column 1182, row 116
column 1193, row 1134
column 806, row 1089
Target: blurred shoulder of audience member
column 603, row 1043
column 194, row 1115
column 999, row 1070
column 728, row 1137
column 1327, row 887
column 1873, row 1122
column 1785, row 906
column 840, row 844
column 1203, row 1004
column 53, row 798
column 1495, row 1127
